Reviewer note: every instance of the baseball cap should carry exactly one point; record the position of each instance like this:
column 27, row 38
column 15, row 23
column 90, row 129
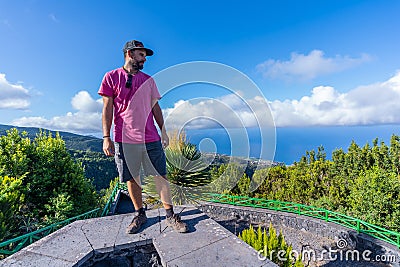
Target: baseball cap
column 134, row 44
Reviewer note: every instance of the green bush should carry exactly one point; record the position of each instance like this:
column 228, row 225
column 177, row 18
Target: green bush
column 53, row 184
column 229, row 178
column 375, row 198
column 11, row 196
column 271, row 245
column 362, row 182
column 106, row 193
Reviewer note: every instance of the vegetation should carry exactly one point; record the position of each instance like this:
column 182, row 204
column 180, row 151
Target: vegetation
column 43, row 181
column 72, row 141
column 105, row 194
column 229, row 178
column 39, row 183
column 271, row 246
column 363, row 182
column 10, row 197
column 86, row 150
column 98, row 167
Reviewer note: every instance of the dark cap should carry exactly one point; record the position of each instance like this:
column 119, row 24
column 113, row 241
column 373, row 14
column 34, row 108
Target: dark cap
column 134, row 44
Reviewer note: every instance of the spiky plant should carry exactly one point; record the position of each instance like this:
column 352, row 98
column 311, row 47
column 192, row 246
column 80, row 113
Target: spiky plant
column 186, row 171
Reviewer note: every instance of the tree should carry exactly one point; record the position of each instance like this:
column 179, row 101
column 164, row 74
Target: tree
column 243, row 186
column 274, row 182
column 11, row 196
column 225, row 178
column 321, row 154
column 98, row 167
column 15, row 151
column 375, row 198
column 362, row 182
column 395, row 153
column 53, row 184
column 55, row 173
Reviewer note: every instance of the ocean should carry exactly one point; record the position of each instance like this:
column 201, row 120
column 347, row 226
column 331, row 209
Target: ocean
column 291, row 142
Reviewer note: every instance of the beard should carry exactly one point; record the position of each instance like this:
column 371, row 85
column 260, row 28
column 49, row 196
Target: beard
column 137, row 65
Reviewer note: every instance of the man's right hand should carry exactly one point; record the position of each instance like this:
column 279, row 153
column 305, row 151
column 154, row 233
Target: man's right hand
column 108, row 147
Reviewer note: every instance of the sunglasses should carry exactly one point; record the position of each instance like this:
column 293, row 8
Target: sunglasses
column 128, row 83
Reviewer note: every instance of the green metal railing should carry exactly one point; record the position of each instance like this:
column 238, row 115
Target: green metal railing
column 13, row 245
column 108, row 205
column 360, row 226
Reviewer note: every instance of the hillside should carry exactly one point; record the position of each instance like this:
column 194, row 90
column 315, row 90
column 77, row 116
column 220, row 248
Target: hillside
column 72, row 141
column 84, row 149
column 101, row 169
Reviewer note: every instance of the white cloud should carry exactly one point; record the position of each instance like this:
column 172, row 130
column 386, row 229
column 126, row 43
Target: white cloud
column 370, row 104
column 365, row 105
column 84, row 102
column 229, row 111
column 71, row 122
column 307, row 67
column 87, row 119
column 13, row 96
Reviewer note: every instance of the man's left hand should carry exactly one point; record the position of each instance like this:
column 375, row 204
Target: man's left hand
column 164, row 140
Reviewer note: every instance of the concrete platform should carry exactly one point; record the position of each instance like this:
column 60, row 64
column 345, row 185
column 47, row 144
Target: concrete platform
column 206, row 244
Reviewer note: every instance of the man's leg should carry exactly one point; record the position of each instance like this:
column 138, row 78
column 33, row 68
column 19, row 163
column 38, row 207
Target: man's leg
column 135, row 192
column 163, row 190
column 154, row 163
column 173, row 220
column 128, row 158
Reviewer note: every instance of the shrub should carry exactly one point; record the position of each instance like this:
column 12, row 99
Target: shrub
column 270, row 245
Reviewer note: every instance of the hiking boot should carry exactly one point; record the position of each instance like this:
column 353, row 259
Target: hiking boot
column 136, row 223
column 175, row 222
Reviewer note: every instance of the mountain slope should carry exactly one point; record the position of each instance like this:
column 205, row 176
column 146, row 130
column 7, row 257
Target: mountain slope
column 72, row 141
column 86, row 150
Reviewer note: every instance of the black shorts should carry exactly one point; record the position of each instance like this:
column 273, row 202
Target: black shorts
column 130, row 157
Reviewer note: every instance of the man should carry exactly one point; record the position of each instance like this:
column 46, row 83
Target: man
column 131, row 97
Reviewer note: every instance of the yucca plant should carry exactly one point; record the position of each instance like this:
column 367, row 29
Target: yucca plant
column 187, row 173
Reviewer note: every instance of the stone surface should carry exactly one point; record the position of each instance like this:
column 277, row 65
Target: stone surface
column 306, row 233
column 103, row 241
column 99, row 241
column 206, row 244
column 31, row 259
column 67, row 244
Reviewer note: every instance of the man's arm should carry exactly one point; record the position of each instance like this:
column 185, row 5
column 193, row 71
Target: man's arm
column 107, row 116
column 157, row 113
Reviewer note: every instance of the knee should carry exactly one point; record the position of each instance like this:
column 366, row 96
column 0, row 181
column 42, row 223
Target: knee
column 133, row 180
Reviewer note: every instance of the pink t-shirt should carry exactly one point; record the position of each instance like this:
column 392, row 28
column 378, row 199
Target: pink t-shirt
column 133, row 117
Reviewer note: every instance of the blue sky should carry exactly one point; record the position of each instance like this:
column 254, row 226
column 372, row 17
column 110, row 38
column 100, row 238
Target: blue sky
column 318, row 63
